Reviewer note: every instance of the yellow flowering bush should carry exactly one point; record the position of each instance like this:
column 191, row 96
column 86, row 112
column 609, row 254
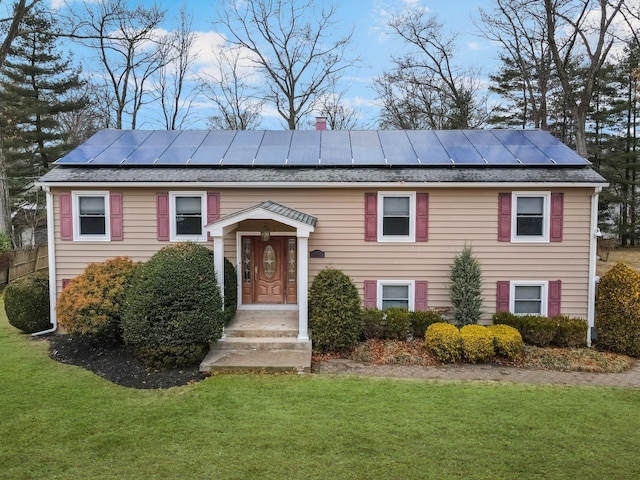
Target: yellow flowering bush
column 444, row 342
column 507, row 341
column 618, row 311
column 477, row 343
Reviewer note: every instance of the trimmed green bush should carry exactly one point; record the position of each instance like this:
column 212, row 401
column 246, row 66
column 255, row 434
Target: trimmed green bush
column 372, row 323
column 570, row 332
column 91, row 304
column 26, row 302
column 477, row 343
column 618, row 311
column 420, row 321
column 230, row 291
column 538, row 330
column 335, row 317
column 507, row 318
column 6, row 245
column 174, row 307
column 507, row 341
column 397, row 324
column 444, row 342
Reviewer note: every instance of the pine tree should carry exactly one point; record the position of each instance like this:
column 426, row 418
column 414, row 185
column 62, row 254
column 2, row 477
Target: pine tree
column 34, row 81
column 466, row 287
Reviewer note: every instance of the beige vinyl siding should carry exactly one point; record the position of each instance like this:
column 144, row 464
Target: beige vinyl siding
column 457, row 216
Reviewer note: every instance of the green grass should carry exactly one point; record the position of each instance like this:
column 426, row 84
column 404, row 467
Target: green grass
column 62, row 422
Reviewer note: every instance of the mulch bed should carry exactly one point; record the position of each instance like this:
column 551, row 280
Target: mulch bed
column 117, row 364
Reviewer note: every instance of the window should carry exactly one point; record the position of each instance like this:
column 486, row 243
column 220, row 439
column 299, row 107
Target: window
column 396, row 293
column 530, row 223
column 187, row 216
column 529, row 298
column 396, row 217
column 91, row 219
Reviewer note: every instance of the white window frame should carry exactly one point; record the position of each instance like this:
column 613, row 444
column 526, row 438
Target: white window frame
column 409, row 283
column 412, row 217
column 544, row 294
column 173, row 236
column 546, row 220
column 77, row 236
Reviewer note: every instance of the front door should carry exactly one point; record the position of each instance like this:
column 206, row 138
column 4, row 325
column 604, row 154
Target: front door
column 269, row 270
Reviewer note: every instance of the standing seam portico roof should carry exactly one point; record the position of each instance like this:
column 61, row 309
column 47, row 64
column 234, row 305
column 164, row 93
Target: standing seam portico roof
column 329, row 148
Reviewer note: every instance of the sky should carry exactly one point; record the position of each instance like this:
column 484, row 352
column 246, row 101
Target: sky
column 372, row 41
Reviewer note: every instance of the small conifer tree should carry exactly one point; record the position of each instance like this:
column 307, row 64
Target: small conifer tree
column 466, row 287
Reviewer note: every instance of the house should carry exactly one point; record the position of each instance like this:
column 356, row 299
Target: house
column 389, row 208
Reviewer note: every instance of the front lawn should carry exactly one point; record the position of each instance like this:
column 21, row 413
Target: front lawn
column 61, row 422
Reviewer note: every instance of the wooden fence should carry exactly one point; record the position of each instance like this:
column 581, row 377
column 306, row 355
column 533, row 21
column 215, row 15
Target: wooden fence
column 22, row 262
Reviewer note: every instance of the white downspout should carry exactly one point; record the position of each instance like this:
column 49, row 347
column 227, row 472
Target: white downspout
column 593, row 242
column 51, row 252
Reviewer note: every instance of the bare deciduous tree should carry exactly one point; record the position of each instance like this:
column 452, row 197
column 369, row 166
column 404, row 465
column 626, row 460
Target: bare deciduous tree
column 128, row 48
column 229, row 90
column 333, row 107
column 433, row 90
column 293, row 44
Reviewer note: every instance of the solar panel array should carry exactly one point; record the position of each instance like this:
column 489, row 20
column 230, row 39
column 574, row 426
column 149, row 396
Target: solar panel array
column 407, row 148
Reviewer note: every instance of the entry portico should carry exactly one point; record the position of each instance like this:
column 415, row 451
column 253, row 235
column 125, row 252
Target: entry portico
column 261, row 259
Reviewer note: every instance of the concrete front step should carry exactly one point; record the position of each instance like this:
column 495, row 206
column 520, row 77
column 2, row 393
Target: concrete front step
column 261, row 343
column 275, row 331
column 258, row 360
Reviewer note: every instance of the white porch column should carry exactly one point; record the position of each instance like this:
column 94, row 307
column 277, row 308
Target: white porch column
column 303, row 286
column 218, row 263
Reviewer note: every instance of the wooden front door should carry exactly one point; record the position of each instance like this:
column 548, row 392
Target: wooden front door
column 269, row 270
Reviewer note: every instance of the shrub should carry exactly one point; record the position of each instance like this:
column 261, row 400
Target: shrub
column 507, row 341
column 507, row 318
column 26, row 302
column 618, row 311
column 396, row 320
column 570, row 332
column 466, row 288
column 6, row 245
column 230, row 291
column 444, row 342
column 91, row 304
column 477, row 343
column 174, row 307
column 538, row 330
column 335, row 317
column 372, row 323
column 419, row 322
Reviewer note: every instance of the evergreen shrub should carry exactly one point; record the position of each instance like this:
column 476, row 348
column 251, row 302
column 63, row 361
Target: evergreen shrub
column 618, row 311
column 26, row 302
column 420, row 321
column 507, row 341
column 91, row 304
column 372, row 323
column 397, row 325
column 335, row 316
column 477, row 343
column 230, row 291
column 466, row 288
column 570, row 332
column 174, row 307
column 444, row 342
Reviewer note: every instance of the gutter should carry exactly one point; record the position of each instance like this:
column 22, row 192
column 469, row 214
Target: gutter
column 593, row 242
column 51, row 250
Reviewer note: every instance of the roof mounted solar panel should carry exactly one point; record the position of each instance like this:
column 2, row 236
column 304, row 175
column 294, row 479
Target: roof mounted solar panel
column 397, row 148
column 243, row 148
column 428, row 147
column 182, row 148
column 274, row 149
column 305, row 148
column 335, row 148
column 152, row 148
column 366, row 148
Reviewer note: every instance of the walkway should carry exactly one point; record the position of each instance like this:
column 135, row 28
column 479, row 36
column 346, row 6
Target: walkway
column 483, row 373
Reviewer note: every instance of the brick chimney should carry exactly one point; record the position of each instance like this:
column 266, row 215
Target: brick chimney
column 321, row 123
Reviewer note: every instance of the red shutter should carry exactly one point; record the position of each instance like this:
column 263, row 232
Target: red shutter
column 213, row 209
column 502, row 296
column 66, row 216
column 371, row 217
column 504, row 217
column 370, row 294
column 162, row 211
column 557, row 212
column 422, row 217
column 420, row 299
column 553, row 308
column 115, row 210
